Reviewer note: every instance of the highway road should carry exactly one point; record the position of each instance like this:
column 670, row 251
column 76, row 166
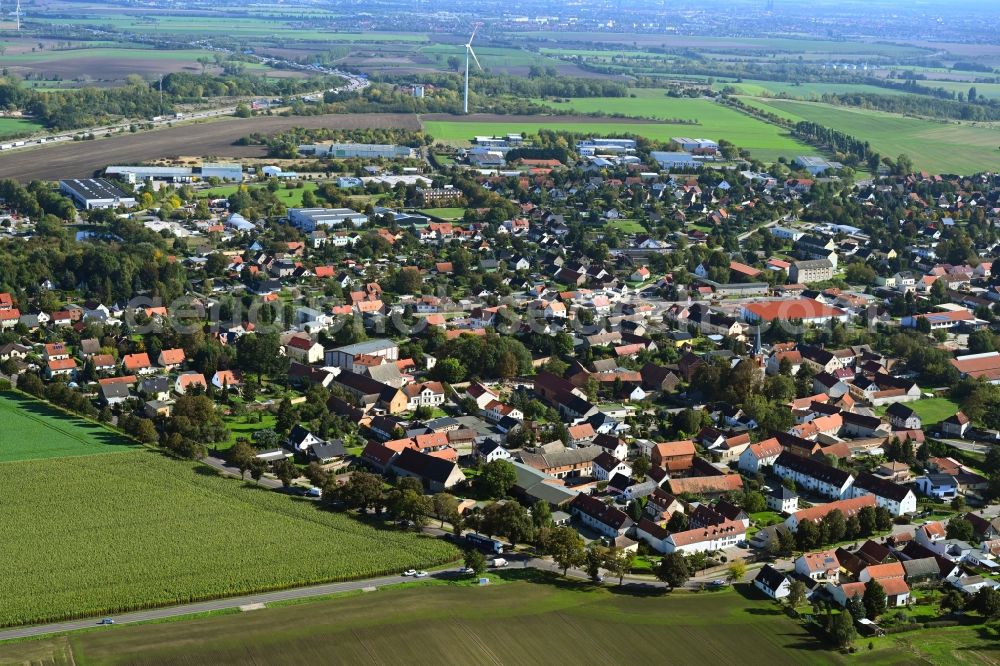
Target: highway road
column 353, row 83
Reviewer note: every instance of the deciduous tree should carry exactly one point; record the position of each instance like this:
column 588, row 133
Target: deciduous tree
column 673, row 570
column 565, row 546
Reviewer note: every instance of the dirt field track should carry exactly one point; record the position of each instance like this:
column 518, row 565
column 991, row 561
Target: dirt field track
column 81, row 159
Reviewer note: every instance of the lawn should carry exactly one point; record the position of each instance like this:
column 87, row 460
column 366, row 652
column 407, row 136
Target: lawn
column 949, row 645
column 711, row 121
column 448, row 214
column 33, row 430
column 513, row 623
column 626, row 226
column 17, row 127
column 932, row 410
column 238, row 427
column 937, row 146
column 106, row 533
column 292, row 198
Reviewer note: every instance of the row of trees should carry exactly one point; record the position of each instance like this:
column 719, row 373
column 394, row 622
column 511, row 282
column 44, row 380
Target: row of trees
column 834, row 527
column 980, row 109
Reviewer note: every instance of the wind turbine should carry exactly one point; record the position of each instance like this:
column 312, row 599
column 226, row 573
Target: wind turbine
column 469, row 52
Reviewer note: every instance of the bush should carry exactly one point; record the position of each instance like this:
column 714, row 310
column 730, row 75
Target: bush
column 935, row 624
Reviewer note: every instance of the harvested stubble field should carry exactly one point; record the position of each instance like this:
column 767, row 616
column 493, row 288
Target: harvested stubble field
column 81, row 159
column 103, row 534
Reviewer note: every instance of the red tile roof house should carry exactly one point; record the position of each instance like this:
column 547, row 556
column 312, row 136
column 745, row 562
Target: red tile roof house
column 228, row 379
column 188, row 380
column 138, row 363
column 60, row 367
column 171, row 359
column 699, row 540
column 675, row 456
column 9, row 318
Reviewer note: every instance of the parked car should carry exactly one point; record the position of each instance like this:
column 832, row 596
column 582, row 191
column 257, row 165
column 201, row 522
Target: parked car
column 107, row 620
column 410, row 572
column 421, row 574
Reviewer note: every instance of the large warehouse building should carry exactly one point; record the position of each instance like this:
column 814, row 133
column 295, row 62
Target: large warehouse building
column 311, row 219
column 362, row 150
column 91, row 193
column 232, row 172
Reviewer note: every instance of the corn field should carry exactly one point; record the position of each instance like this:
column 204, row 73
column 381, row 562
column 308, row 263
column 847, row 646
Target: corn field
column 109, row 533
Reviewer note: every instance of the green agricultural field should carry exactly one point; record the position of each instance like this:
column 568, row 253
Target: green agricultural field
column 764, row 45
column 186, row 55
column 33, row 430
column 711, row 121
column 937, row 146
column 511, row 623
column 801, row 90
column 492, row 56
column 17, row 127
column 989, row 90
column 248, row 27
column 102, row 534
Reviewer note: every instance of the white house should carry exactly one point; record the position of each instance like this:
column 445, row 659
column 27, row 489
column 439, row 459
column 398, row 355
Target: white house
column 300, row 439
column 428, row 394
column 491, row 450
column 606, row 466
column 772, row 582
column 707, row 539
column 897, row 499
column 782, row 500
column 602, row 518
column 303, row 350
column 759, row 455
column 819, row 566
column 814, row 476
column 482, row 395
